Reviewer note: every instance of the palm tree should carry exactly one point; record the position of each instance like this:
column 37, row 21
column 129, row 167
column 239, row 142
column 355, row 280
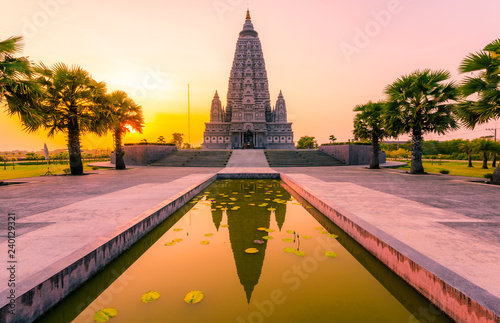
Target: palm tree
column 485, row 146
column 16, row 84
column 127, row 116
column 369, row 124
column 484, row 84
column 73, row 104
column 467, row 147
column 419, row 103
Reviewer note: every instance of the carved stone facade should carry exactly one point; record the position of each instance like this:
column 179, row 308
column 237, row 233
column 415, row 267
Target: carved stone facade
column 248, row 120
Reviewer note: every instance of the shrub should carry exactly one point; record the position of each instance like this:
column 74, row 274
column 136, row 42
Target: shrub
column 488, row 175
column 444, row 171
column 66, row 171
column 95, row 168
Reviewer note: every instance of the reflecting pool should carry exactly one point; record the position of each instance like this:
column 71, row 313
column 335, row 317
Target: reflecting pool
column 258, row 253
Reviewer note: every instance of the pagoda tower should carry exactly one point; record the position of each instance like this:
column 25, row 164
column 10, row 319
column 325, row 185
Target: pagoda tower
column 248, row 120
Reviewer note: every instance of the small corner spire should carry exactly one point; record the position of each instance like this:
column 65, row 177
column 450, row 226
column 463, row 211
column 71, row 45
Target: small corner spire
column 216, row 94
column 248, row 15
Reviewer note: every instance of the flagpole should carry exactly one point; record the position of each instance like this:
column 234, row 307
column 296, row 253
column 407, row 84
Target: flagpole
column 189, row 120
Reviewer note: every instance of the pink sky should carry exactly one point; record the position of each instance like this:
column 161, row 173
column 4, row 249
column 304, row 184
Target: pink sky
column 326, row 56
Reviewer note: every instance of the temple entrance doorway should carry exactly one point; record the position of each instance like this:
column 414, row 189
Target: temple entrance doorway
column 248, row 139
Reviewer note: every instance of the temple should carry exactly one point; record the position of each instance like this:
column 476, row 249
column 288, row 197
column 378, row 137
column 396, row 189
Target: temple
column 248, row 121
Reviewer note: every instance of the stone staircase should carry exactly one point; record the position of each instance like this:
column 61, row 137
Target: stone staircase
column 300, row 158
column 195, row 158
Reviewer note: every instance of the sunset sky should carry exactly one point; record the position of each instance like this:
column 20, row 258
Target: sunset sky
column 326, row 56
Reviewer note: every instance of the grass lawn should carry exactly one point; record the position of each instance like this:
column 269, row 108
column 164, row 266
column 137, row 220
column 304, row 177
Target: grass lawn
column 457, row 168
column 22, row 171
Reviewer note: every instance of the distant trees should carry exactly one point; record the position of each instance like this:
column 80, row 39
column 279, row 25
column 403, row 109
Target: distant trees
column 485, row 146
column 177, row 139
column 420, row 103
column 332, row 138
column 307, row 142
column 467, row 147
column 369, row 124
column 161, row 140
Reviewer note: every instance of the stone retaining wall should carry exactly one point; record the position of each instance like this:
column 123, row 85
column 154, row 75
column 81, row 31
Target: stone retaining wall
column 352, row 154
column 142, row 155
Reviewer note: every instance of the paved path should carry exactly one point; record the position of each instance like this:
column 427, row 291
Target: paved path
column 247, row 158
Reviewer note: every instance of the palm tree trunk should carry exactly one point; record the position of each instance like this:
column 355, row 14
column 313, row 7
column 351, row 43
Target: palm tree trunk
column 75, row 155
column 485, row 160
column 496, row 176
column 119, row 153
column 416, row 152
column 470, row 160
column 374, row 164
column 494, row 164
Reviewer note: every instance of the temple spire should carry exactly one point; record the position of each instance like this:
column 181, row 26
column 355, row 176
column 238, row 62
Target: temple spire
column 248, row 15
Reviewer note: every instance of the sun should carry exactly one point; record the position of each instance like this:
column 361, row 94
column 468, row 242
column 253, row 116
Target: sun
column 130, row 128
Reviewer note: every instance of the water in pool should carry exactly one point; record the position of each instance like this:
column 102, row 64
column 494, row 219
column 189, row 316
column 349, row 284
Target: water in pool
column 302, row 268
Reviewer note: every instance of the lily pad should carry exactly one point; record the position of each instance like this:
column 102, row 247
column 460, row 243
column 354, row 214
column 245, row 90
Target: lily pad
column 309, row 207
column 150, row 296
column 219, row 206
column 171, row 243
column 334, row 236
column 208, row 234
column 331, row 254
column 204, row 242
column 306, row 237
column 324, row 232
column 289, row 250
column 290, row 231
column 300, row 253
column 318, row 228
column 270, row 230
column 194, row 297
column 262, row 229
column 224, row 209
column 271, row 209
column 178, row 229
column 258, row 241
column 105, row 314
column 177, row 240
column 224, row 226
column 251, row 250
column 267, row 237
column 287, row 240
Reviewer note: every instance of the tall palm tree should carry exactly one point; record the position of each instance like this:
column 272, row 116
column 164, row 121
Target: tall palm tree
column 369, row 124
column 16, row 84
column 467, row 147
column 419, row 103
column 485, row 146
column 127, row 115
column 483, row 83
column 73, row 104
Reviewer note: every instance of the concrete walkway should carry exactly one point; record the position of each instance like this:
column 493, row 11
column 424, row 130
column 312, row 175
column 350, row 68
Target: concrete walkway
column 444, row 222
column 247, row 158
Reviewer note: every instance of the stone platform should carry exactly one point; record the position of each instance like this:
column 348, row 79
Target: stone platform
column 439, row 232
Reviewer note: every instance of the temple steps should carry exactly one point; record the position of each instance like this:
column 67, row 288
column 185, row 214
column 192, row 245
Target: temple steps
column 300, row 158
column 195, row 158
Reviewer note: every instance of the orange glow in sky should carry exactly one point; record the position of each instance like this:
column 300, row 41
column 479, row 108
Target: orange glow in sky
column 326, row 56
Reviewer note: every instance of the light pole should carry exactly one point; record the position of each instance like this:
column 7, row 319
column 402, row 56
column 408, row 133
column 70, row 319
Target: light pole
column 494, row 154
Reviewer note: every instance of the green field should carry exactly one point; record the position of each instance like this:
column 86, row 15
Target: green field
column 456, row 168
column 21, row 171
